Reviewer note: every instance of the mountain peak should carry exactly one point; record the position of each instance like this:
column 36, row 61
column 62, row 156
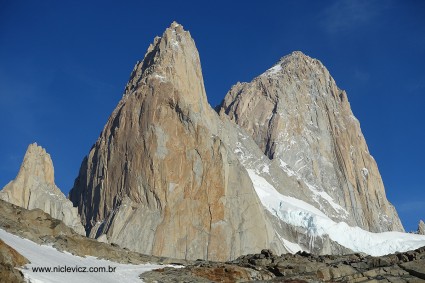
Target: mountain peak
column 34, row 187
column 172, row 59
column 296, row 54
column 175, row 29
column 176, row 39
column 161, row 171
column 295, row 111
column 299, row 58
column 175, row 25
column 296, row 62
column 39, row 163
column 421, row 228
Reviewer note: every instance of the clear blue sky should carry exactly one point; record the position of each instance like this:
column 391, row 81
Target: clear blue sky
column 64, row 65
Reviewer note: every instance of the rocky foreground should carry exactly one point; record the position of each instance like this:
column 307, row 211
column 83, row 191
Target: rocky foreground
column 9, row 261
column 39, row 227
column 301, row 267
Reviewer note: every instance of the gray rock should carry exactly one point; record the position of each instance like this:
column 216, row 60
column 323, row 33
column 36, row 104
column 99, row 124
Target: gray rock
column 421, row 228
column 34, row 187
column 10, row 259
column 161, row 178
column 415, row 268
column 301, row 119
column 292, row 268
column 170, row 177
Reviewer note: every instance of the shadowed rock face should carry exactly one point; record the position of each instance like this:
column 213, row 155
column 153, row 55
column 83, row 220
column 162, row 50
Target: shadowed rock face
column 34, row 187
column 161, row 179
column 297, row 115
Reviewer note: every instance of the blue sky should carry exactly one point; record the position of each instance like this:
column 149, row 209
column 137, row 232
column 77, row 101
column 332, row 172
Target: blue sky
column 64, row 65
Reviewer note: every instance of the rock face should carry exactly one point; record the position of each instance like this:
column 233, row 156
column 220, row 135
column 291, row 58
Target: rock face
column 41, row 228
column 421, row 228
column 162, row 178
column 34, row 187
column 299, row 118
column 283, row 165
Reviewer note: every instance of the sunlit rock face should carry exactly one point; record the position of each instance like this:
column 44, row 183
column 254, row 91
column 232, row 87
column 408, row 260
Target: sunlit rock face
column 34, row 187
column 297, row 115
column 280, row 165
column 162, row 179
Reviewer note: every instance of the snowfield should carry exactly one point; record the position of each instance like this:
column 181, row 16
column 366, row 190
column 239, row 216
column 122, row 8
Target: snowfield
column 47, row 256
column 301, row 214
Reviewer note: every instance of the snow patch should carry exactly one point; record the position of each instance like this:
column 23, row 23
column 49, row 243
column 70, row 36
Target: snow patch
column 47, row 256
column 243, row 155
column 286, row 169
column 265, row 169
column 175, row 44
column 317, row 193
column 273, row 70
column 289, row 246
column 301, row 214
column 160, row 77
column 328, row 198
column 365, row 173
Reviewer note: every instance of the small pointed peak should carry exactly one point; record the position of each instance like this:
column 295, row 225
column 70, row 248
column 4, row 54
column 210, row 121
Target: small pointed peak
column 421, row 228
column 33, row 145
column 34, row 148
column 38, row 162
column 175, row 24
column 296, row 59
column 296, row 55
column 176, row 35
column 176, row 27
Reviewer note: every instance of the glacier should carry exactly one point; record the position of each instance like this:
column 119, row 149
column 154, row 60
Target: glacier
column 301, row 214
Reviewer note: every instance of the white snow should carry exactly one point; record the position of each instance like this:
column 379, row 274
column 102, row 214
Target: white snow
column 320, row 196
column 175, row 44
column 317, row 193
column 160, row 77
column 301, row 214
column 290, row 247
column 286, row 168
column 328, row 198
column 243, row 154
column 365, row 173
column 47, row 256
column 273, row 70
column 265, row 169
